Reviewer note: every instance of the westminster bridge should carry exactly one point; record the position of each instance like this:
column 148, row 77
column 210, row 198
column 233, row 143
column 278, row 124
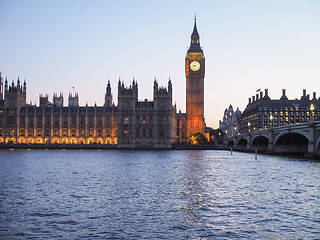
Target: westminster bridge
column 297, row 138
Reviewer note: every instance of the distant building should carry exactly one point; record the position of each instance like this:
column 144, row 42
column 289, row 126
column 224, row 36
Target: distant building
column 263, row 112
column 131, row 124
column 230, row 125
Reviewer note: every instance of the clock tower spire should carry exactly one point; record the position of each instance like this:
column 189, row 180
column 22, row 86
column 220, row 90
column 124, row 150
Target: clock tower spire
column 195, row 71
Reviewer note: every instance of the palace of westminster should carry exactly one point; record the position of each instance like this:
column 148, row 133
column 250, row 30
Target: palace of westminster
column 140, row 124
column 131, row 124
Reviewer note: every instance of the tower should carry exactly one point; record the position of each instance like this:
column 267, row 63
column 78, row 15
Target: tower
column 127, row 99
column 1, row 87
column 58, row 100
column 108, row 96
column 14, row 100
column 73, row 100
column 195, row 71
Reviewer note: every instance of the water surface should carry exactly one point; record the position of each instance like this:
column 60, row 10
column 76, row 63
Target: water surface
column 76, row 194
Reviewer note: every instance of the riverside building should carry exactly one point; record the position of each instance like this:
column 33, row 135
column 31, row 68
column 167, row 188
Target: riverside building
column 132, row 124
column 230, row 125
column 263, row 112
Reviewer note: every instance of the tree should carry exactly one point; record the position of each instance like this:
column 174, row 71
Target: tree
column 198, row 138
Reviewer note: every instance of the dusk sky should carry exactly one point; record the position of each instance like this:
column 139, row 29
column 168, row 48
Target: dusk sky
column 248, row 45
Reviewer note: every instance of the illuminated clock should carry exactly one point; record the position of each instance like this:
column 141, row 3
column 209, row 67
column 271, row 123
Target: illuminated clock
column 195, row 66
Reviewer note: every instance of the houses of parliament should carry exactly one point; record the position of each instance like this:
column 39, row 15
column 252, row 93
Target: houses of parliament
column 131, row 124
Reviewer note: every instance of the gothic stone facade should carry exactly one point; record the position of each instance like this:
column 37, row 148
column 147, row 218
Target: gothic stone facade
column 195, row 71
column 146, row 124
column 230, row 125
column 54, row 123
column 132, row 124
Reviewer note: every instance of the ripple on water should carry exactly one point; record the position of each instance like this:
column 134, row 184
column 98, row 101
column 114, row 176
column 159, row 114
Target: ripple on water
column 157, row 195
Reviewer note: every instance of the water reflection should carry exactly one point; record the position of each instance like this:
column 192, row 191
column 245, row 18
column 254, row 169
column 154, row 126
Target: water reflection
column 157, row 194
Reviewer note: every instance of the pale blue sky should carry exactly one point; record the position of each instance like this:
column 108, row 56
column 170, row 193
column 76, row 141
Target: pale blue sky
column 248, row 45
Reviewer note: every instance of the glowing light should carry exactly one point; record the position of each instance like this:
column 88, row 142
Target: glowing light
column 312, row 107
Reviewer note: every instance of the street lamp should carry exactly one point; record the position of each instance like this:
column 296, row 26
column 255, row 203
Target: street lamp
column 271, row 119
column 311, row 109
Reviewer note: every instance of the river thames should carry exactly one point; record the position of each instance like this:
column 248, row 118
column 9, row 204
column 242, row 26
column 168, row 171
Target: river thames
column 74, row 194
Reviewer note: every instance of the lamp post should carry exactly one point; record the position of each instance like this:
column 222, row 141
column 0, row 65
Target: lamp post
column 271, row 119
column 311, row 109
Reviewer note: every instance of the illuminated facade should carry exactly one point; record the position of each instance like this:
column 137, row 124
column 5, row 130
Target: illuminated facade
column 263, row 112
column 55, row 123
column 131, row 124
column 195, row 71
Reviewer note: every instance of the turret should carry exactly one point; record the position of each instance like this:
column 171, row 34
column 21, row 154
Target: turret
column 1, row 87
column 6, row 85
column 14, row 96
column 58, row 100
column 155, row 87
column 73, row 100
column 108, row 96
column 43, row 100
column 170, row 87
column 266, row 96
column 24, row 86
column 18, row 83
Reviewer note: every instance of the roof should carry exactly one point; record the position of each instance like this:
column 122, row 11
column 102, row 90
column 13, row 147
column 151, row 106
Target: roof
column 195, row 43
column 55, row 109
column 277, row 105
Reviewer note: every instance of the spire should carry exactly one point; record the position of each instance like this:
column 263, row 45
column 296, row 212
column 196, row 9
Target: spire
column 6, row 85
column 195, row 39
column 108, row 89
column 195, row 33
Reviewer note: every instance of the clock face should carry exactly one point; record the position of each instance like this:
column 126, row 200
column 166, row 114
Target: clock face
column 195, row 66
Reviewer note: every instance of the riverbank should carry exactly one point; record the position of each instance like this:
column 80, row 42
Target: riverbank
column 106, row 147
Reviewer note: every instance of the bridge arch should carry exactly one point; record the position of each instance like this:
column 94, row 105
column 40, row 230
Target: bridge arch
column 291, row 132
column 231, row 144
column 291, row 142
column 242, row 144
column 260, row 143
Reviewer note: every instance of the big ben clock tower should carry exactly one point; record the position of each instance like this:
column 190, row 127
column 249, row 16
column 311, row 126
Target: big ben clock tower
column 195, row 69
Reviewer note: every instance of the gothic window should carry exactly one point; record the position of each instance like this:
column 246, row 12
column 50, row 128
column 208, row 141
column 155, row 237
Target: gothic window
column 125, row 105
column 161, row 133
column 47, row 132
column 126, row 120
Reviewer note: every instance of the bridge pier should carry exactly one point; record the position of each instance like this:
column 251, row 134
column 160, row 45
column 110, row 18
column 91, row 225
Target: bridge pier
column 271, row 142
column 312, row 145
column 249, row 143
